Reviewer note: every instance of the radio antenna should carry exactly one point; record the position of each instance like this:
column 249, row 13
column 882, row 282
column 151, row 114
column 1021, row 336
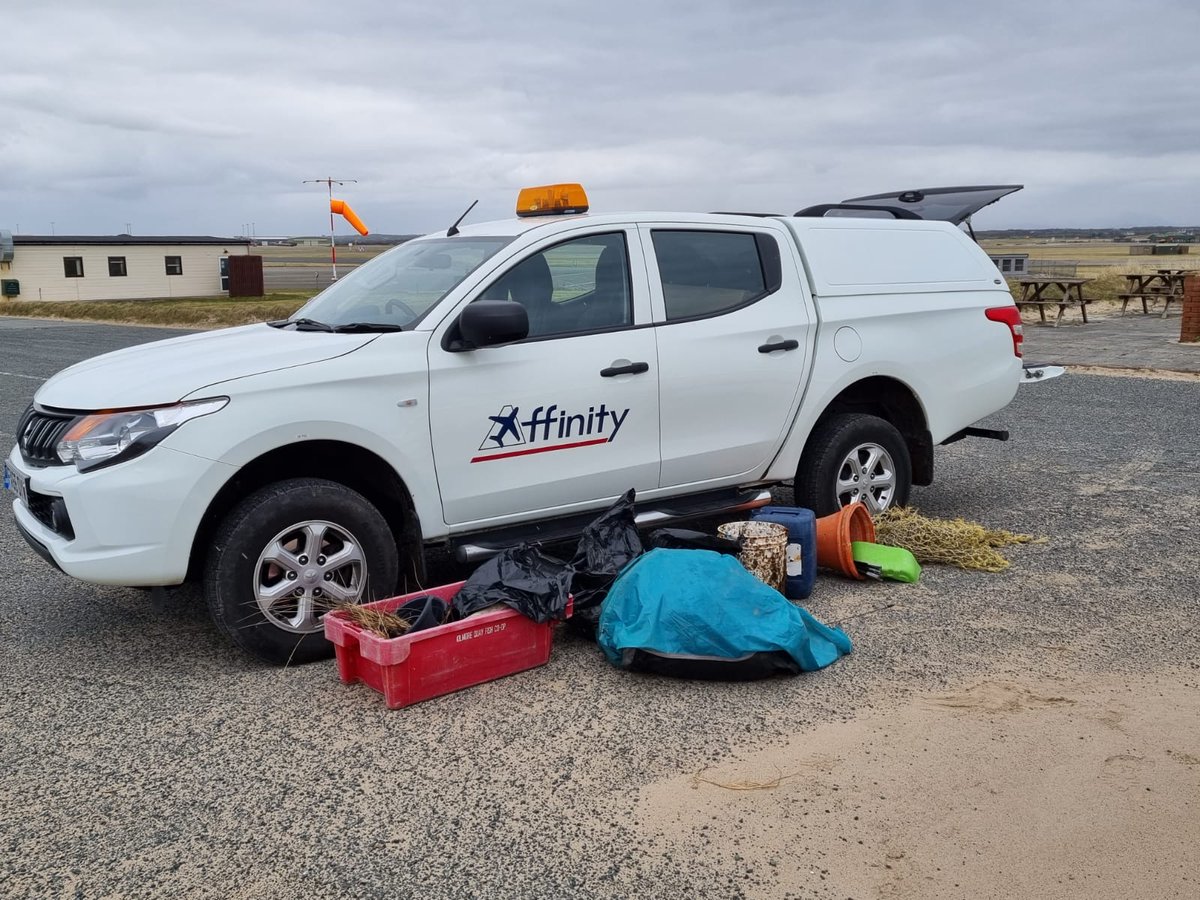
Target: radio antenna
column 454, row 228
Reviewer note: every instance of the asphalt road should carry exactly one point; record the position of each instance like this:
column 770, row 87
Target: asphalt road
column 144, row 757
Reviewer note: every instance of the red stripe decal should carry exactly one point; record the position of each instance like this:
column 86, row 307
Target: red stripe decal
column 539, row 450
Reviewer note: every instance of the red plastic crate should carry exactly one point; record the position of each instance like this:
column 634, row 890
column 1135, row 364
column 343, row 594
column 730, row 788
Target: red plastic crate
column 437, row 661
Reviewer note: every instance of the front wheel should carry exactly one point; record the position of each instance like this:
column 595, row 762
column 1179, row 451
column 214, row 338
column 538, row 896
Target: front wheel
column 854, row 458
column 289, row 553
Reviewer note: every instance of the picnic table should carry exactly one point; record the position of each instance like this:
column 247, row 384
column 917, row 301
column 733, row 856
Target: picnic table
column 1051, row 290
column 1163, row 284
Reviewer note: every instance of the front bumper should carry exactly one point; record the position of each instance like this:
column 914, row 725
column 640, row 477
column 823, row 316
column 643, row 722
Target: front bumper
column 38, row 547
column 132, row 523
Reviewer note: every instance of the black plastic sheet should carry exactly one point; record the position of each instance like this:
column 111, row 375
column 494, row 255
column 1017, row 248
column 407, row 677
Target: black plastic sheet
column 606, row 546
column 531, row 582
column 750, row 667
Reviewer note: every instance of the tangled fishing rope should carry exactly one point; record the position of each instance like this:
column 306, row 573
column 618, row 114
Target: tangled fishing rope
column 955, row 542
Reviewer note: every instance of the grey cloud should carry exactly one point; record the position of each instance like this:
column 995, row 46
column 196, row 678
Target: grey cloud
column 201, row 117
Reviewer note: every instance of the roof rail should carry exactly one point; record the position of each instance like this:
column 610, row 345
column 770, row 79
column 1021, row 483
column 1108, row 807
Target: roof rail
column 822, row 208
column 727, row 212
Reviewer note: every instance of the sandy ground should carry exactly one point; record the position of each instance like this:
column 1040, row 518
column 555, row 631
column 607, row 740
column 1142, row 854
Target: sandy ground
column 1160, row 374
column 1031, row 734
column 1059, row 787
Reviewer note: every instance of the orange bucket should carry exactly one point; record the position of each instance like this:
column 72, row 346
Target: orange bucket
column 835, row 534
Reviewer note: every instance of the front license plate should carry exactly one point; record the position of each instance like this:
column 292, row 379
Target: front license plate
column 17, row 482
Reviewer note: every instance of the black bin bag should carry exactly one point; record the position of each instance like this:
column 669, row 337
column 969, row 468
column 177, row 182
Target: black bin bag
column 605, row 547
column 686, row 539
column 423, row 612
column 523, row 577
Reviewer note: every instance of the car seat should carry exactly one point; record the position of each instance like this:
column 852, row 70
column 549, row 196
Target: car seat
column 608, row 307
column 531, row 285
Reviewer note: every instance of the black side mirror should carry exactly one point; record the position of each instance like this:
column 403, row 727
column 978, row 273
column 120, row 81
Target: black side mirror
column 486, row 323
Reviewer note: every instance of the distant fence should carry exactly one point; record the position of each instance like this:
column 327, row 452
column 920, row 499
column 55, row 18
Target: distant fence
column 1063, row 268
column 300, row 278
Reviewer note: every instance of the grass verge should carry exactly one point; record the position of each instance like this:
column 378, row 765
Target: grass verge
column 194, row 312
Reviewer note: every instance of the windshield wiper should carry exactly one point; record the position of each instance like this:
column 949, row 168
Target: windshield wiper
column 301, row 324
column 361, row 327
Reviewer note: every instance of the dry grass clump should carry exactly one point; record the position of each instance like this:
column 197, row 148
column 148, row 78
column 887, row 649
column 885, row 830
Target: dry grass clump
column 954, row 542
column 744, row 785
column 376, row 621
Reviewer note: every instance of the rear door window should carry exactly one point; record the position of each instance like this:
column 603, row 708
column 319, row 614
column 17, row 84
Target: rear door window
column 706, row 273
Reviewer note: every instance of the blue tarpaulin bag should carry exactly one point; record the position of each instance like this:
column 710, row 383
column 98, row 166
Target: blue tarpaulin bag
column 696, row 613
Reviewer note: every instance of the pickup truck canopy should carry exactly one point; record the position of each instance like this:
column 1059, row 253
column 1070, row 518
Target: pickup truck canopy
column 946, row 204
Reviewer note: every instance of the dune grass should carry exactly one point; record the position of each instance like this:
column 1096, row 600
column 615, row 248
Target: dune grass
column 1103, row 287
column 194, row 312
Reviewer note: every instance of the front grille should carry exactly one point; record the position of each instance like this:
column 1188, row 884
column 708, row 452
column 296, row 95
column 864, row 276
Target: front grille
column 38, row 433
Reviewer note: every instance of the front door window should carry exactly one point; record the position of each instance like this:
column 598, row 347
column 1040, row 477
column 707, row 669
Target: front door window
column 571, row 288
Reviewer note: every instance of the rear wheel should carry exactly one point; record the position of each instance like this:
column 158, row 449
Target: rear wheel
column 288, row 554
column 854, row 458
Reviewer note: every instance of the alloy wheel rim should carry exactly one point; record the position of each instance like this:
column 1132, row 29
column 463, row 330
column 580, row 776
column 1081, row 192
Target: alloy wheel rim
column 867, row 475
column 305, row 571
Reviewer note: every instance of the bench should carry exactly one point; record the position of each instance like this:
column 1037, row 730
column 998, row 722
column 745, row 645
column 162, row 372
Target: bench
column 1062, row 305
column 1045, row 290
column 1144, row 296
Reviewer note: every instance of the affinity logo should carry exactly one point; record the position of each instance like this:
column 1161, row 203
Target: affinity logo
column 548, row 428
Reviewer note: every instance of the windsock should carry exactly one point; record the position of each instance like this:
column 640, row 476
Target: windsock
column 342, row 208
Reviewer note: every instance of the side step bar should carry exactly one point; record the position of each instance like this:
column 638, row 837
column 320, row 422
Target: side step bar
column 483, row 546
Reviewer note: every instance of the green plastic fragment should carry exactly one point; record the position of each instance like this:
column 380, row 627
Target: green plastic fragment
column 894, row 563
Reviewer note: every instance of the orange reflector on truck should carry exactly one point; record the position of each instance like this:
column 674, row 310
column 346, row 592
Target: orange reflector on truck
column 552, row 200
column 342, row 208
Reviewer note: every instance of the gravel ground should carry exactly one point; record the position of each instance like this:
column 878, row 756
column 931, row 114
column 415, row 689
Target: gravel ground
column 144, row 757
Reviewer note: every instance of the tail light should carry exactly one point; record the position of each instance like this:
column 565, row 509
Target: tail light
column 1010, row 316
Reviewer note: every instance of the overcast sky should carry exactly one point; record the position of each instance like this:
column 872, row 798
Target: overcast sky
column 204, row 117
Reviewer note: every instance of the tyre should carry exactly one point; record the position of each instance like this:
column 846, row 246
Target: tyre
column 854, row 458
column 285, row 556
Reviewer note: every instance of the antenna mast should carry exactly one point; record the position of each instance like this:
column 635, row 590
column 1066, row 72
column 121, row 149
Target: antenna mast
column 330, row 182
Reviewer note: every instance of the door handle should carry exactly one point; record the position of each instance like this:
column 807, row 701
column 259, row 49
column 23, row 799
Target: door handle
column 632, row 369
column 779, row 345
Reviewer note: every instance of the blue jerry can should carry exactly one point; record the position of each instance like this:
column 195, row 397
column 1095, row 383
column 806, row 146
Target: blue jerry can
column 802, row 534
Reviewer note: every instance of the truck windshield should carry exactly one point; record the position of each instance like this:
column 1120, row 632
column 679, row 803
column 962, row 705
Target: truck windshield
column 400, row 286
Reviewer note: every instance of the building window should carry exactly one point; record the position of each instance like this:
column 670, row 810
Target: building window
column 1006, row 265
column 1018, row 265
column 116, row 266
column 73, row 266
column 174, row 265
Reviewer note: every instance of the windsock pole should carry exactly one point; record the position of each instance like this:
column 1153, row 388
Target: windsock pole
column 330, row 182
column 332, row 242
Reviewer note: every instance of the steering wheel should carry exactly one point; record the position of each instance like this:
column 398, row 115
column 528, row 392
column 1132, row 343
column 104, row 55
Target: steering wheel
column 392, row 305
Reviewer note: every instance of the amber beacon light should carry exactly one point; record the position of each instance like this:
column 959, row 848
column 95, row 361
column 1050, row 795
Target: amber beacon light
column 552, row 200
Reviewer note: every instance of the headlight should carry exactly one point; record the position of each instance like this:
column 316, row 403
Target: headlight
column 111, row 437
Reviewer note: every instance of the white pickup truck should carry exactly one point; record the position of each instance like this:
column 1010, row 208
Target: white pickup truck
column 508, row 380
